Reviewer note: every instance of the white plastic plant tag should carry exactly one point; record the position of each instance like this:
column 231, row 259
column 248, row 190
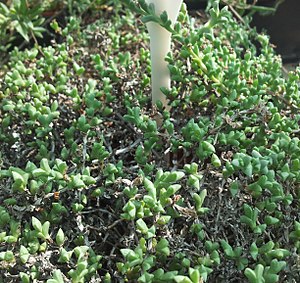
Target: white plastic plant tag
column 160, row 44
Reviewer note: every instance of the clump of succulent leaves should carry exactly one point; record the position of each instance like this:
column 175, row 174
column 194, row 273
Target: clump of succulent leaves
column 93, row 189
column 23, row 22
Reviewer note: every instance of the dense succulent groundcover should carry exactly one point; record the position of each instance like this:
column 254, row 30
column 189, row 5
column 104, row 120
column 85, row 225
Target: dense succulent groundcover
column 94, row 187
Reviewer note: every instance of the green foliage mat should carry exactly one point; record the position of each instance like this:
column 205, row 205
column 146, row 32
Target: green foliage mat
column 96, row 185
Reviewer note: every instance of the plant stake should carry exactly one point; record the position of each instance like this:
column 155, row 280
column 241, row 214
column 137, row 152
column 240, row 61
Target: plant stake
column 160, row 45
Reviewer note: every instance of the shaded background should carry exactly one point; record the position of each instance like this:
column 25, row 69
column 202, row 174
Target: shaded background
column 283, row 27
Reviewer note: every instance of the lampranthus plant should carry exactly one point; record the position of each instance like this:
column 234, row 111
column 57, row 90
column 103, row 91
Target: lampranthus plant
column 93, row 189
